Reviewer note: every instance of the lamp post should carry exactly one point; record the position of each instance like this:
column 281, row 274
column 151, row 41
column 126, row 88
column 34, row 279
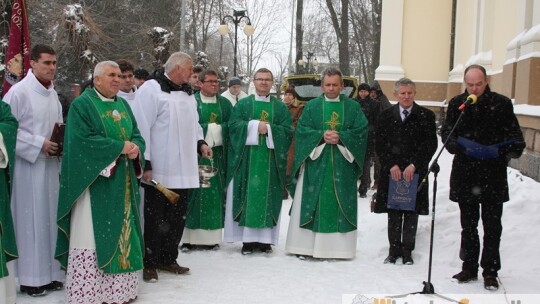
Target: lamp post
column 309, row 63
column 236, row 18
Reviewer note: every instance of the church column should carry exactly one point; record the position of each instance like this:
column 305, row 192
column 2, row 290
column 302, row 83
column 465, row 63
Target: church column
column 390, row 68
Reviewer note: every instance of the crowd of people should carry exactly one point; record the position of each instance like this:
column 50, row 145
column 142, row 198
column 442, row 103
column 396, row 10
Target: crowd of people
column 88, row 211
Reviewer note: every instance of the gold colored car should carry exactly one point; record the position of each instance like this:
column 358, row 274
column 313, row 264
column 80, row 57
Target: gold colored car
column 308, row 86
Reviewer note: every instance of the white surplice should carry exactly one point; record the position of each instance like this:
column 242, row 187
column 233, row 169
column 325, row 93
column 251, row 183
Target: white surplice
column 169, row 124
column 35, row 182
column 129, row 96
column 232, row 98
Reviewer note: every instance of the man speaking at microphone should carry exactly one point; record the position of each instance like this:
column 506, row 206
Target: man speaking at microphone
column 483, row 142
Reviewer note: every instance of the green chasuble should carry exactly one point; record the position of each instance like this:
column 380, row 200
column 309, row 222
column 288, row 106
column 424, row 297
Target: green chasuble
column 258, row 171
column 8, row 130
column 206, row 205
column 329, row 198
column 94, row 138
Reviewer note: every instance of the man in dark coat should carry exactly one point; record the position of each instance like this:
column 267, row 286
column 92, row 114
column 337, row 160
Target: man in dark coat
column 481, row 179
column 406, row 139
column 371, row 111
column 383, row 103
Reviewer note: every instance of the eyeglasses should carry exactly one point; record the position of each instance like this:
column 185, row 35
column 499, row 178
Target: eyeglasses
column 122, row 76
column 211, row 81
column 263, row 79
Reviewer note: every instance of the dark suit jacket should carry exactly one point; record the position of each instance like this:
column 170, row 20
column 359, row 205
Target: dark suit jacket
column 402, row 143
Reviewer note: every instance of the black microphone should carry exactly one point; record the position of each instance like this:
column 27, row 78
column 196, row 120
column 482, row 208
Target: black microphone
column 471, row 99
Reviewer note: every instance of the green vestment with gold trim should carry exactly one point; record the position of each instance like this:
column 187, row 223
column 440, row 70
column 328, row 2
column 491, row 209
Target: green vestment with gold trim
column 258, row 171
column 329, row 199
column 94, row 138
column 8, row 130
column 206, row 206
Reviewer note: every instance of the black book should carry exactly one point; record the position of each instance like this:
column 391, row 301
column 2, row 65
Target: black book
column 58, row 137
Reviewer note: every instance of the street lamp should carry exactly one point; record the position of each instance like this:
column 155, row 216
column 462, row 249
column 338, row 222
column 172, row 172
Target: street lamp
column 236, row 18
column 309, row 63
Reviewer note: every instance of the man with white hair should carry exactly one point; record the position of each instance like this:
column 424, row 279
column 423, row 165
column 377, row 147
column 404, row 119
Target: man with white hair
column 166, row 112
column 99, row 234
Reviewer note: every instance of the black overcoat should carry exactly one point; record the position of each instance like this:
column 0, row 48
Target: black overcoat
column 402, row 143
column 489, row 121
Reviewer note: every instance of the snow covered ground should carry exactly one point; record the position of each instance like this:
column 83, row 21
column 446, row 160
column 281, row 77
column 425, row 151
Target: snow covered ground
column 225, row 276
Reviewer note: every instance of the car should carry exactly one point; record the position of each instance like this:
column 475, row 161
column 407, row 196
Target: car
column 308, row 86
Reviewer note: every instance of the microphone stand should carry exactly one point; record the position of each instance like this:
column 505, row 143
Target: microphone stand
column 435, row 168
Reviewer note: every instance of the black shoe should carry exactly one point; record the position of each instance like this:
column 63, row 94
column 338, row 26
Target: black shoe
column 34, row 291
column 465, row 276
column 391, row 259
column 491, row 283
column 186, row 247
column 265, row 248
column 247, row 248
column 407, row 260
column 54, row 285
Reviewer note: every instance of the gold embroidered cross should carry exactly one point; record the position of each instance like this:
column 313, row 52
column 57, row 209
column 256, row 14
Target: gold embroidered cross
column 333, row 122
column 213, row 117
column 264, row 116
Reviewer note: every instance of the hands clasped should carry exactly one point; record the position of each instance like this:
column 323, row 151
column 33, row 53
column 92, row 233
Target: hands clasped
column 331, row 137
column 130, row 149
column 263, row 127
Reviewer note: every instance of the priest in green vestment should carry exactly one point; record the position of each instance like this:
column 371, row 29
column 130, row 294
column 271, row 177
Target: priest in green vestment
column 8, row 247
column 331, row 139
column 99, row 234
column 206, row 206
column 260, row 131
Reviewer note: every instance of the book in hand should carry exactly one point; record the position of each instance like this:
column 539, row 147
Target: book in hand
column 402, row 194
column 479, row 151
column 58, row 137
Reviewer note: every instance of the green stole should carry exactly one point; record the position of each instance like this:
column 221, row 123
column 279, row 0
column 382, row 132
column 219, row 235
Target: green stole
column 8, row 247
column 205, row 205
column 328, row 202
column 128, row 255
column 257, row 196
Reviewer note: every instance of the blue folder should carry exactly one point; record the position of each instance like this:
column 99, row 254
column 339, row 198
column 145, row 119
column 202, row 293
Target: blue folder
column 402, row 194
column 479, row 151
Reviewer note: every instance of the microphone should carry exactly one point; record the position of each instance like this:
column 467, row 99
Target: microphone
column 471, row 99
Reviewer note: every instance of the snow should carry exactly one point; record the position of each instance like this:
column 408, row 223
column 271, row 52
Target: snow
column 226, row 276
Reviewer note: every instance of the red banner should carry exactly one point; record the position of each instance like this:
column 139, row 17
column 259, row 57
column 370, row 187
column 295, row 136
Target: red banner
column 18, row 49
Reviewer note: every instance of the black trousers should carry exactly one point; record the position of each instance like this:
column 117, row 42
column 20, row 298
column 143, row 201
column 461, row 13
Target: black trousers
column 470, row 242
column 163, row 227
column 365, row 179
column 376, row 167
column 402, row 227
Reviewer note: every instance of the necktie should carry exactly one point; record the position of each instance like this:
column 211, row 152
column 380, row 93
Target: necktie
column 406, row 114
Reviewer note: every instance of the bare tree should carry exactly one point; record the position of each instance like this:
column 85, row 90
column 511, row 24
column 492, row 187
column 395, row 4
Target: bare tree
column 279, row 70
column 265, row 17
column 366, row 34
column 341, row 28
